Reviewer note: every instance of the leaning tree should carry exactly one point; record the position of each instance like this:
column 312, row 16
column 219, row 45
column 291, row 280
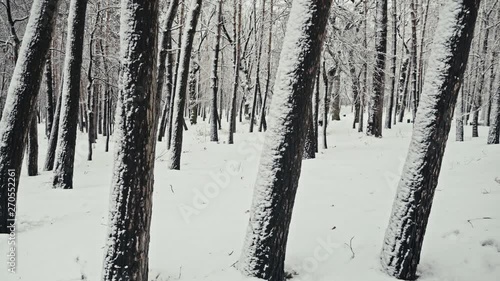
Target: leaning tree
column 405, row 234
column 21, row 98
column 263, row 254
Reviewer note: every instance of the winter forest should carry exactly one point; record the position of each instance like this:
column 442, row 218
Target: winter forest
column 239, row 140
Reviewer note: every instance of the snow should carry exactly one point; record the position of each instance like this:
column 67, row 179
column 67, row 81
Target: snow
column 349, row 187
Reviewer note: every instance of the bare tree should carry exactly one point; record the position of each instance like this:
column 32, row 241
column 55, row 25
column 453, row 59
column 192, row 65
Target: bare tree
column 21, row 98
column 133, row 177
column 405, row 233
column 264, row 249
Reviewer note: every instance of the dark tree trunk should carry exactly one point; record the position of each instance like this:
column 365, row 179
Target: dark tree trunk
column 376, row 104
column 403, row 82
column 234, row 96
column 65, row 153
column 414, row 60
column 460, row 117
column 214, row 136
column 327, row 79
column 132, row 185
column 54, row 134
column 21, row 98
column 336, row 96
column 32, row 151
column 193, row 102
column 404, row 237
column 259, row 55
column 262, row 119
column 392, row 91
column 316, row 110
column 355, row 88
column 165, row 64
column 264, row 250
column 181, row 88
column 50, row 94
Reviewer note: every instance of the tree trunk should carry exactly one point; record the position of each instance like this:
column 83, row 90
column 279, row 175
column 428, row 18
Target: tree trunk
column 127, row 246
column 50, row 94
column 181, row 88
column 259, row 55
column 460, row 117
column 32, row 151
column 264, row 249
column 316, row 110
column 236, row 59
column 403, row 82
column 404, row 237
column 165, row 63
column 21, row 98
column 392, row 90
column 327, row 79
column 336, row 96
column 414, row 60
column 54, row 134
column 262, row 122
column 376, row 103
column 65, row 153
column 214, row 136
column 494, row 130
column 355, row 88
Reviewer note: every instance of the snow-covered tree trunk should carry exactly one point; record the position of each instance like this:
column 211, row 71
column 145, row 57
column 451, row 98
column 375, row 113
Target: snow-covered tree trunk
column 182, row 85
column 258, row 39
column 214, row 136
column 236, row 67
column 392, row 90
column 262, row 119
column 376, row 99
column 21, row 98
column 414, row 60
column 402, row 89
column 264, row 249
column 494, row 131
column 127, row 245
column 165, row 63
column 65, row 152
column 412, row 205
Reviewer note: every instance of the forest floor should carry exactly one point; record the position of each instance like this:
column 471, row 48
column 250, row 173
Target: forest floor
column 201, row 212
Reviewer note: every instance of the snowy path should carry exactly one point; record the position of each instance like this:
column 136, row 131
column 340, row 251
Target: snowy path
column 200, row 213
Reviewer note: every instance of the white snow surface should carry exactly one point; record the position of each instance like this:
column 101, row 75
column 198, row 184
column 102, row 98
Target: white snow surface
column 200, row 213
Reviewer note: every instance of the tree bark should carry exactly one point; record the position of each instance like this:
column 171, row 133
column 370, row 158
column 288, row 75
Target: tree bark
column 404, row 236
column 376, row 103
column 21, row 98
column 214, row 136
column 50, row 94
column 65, row 152
column 181, row 88
column 127, row 245
column 32, row 151
column 236, row 59
column 264, row 249
column 165, row 63
column 392, row 90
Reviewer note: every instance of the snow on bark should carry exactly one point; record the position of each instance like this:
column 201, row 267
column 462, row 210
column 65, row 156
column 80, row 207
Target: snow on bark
column 127, row 243
column 264, row 248
column 22, row 96
column 404, row 236
column 182, row 85
column 376, row 102
column 65, row 151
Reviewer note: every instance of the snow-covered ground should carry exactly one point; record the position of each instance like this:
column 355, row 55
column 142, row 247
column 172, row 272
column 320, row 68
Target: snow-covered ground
column 200, row 213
